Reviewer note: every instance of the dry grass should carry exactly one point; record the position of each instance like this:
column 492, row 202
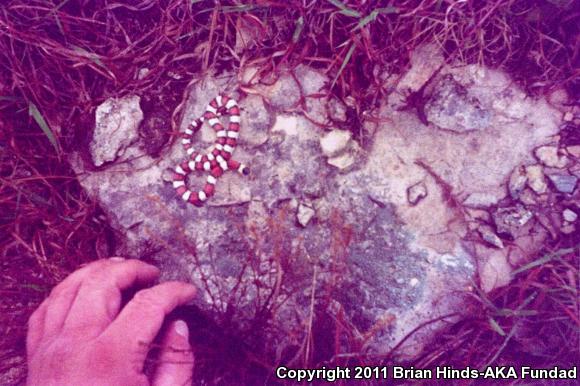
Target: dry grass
column 59, row 60
column 535, row 321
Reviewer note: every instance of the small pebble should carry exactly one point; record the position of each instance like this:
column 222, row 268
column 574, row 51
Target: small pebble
column 342, row 162
column 510, row 219
column 142, row 73
column 568, row 228
column 488, row 235
column 549, row 156
column 569, row 215
column 536, row 180
column 334, row 142
column 563, row 183
column 304, row 214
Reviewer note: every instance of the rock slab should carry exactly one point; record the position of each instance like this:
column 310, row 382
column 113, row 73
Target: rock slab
column 377, row 235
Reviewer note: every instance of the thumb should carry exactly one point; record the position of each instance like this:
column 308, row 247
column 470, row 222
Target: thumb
column 176, row 358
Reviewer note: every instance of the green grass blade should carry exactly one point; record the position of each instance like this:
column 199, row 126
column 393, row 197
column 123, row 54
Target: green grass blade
column 373, row 16
column 350, row 12
column 91, row 56
column 298, row 29
column 344, row 63
column 496, row 327
column 34, row 113
column 344, row 9
column 238, row 8
column 387, row 10
column 10, row 98
column 366, row 20
column 543, row 260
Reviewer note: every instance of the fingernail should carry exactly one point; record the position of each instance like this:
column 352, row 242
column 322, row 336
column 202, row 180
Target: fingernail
column 117, row 258
column 181, row 328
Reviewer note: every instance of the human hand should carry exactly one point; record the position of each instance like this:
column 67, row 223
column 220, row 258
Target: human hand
column 80, row 336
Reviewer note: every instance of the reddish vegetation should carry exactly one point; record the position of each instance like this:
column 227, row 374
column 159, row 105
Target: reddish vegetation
column 58, row 62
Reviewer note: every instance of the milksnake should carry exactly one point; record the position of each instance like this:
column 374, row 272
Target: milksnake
column 219, row 157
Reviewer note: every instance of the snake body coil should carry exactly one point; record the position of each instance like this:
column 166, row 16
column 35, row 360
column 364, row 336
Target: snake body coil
column 218, row 159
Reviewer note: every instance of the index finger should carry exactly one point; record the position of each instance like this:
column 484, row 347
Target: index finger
column 98, row 298
column 90, row 297
column 139, row 322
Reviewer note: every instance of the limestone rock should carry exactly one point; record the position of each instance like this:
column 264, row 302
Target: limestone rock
column 335, row 142
column 529, row 198
column 304, row 214
column 559, row 98
column 249, row 75
column 510, row 219
column 477, row 215
column 517, row 182
column 489, row 235
column 549, row 156
column 536, row 181
column 368, row 245
column 495, row 271
column 452, row 108
column 425, row 60
column 311, row 81
column 568, row 228
column 569, row 215
column 563, row 183
column 116, row 126
column 282, row 95
column 342, row 162
column 258, row 120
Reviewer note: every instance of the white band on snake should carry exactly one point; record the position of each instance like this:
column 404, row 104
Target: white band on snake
column 218, row 159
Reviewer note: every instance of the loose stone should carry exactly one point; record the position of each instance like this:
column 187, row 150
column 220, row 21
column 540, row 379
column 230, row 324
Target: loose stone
column 563, row 183
column 517, row 182
column 568, row 228
column 116, row 126
column 569, row 215
column 549, row 156
column 334, row 142
column 510, row 219
column 304, row 214
column 488, row 235
column 342, row 162
column 536, row 180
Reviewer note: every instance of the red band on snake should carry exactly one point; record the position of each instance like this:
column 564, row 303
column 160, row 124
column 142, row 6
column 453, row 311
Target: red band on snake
column 218, row 159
